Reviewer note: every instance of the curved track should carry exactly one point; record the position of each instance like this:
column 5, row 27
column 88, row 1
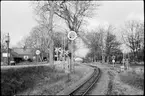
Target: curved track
column 88, row 84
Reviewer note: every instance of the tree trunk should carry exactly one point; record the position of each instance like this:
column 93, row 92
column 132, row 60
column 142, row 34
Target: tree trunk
column 103, row 58
column 47, row 57
column 107, row 59
column 51, row 34
column 133, row 56
column 94, row 58
column 51, row 53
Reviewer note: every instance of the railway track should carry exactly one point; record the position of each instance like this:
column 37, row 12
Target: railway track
column 88, row 84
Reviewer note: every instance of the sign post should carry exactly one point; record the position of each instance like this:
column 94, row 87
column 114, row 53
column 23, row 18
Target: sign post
column 37, row 53
column 113, row 60
column 60, row 51
column 56, row 50
column 67, row 69
column 72, row 36
column 123, row 65
column 127, row 64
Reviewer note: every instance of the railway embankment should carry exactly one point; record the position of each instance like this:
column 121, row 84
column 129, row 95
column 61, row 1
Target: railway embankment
column 39, row 80
column 76, row 85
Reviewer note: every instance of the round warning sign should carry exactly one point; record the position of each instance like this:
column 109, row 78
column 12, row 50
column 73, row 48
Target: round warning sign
column 72, row 35
column 37, row 52
column 113, row 57
column 26, row 57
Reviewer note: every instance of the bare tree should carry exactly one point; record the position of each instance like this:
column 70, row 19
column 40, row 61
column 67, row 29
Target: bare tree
column 111, row 43
column 94, row 39
column 3, row 44
column 45, row 18
column 73, row 12
column 38, row 39
column 133, row 36
column 102, row 43
column 101, row 30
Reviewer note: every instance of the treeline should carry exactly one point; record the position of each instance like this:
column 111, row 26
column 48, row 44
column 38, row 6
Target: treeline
column 102, row 41
column 103, row 44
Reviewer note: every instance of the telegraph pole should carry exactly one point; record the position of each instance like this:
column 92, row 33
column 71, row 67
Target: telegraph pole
column 8, row 41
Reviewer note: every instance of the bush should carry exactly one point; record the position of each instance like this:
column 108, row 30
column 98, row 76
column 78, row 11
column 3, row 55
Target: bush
column 17, row 80
column 133, row 79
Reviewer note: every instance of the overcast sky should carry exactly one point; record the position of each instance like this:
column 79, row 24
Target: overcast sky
column 17, row 17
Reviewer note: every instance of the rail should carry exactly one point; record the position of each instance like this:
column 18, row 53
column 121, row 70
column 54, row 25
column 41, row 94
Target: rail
column 84, row 88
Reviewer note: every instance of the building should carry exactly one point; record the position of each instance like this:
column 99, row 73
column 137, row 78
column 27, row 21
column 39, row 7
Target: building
column 23, row 54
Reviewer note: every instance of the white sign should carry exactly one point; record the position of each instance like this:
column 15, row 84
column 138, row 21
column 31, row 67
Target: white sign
column 113, row 61
column 26, row 57
column 60, row 50
column 66, row 52
column 56, row 49
column 37, row 52
column 5, row 55
column 72, row 35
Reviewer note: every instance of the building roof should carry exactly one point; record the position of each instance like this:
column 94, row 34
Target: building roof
column 20, row 52
column 23, row 51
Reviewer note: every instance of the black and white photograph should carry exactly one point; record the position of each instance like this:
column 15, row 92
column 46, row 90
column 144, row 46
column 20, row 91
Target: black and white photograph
column 72, row 47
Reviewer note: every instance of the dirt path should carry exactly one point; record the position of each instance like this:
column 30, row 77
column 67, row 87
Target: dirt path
column 110, row 84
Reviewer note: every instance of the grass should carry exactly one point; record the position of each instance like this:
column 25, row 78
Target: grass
column 25, row 63
column 30, row 63
column 18, row 80
column 133, row 79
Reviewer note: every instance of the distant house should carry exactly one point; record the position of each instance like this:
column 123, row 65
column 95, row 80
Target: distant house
column 23, row 54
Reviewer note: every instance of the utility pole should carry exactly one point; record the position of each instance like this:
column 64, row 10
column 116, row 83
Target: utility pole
column 8, row 53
